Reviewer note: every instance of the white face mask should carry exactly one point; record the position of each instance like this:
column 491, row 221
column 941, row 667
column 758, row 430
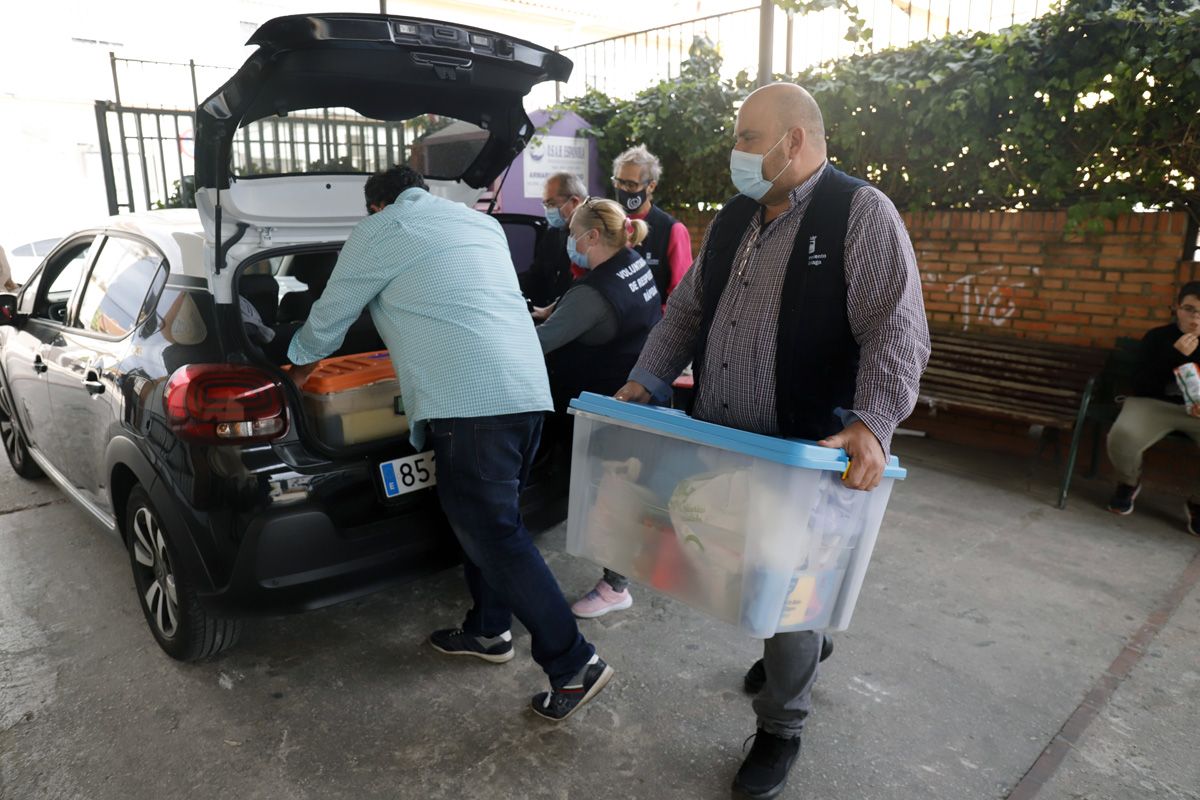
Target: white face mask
column 746, row 171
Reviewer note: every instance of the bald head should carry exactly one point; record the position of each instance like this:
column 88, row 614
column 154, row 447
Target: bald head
column 782, row 122
column 788, row 106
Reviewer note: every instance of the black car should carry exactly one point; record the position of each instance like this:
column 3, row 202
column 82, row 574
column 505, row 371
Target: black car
column 131, row 372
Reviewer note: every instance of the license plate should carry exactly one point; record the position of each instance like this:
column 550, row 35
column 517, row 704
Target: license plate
column 404, row 475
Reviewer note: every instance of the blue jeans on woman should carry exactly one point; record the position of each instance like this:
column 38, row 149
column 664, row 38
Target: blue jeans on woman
column 482, row 466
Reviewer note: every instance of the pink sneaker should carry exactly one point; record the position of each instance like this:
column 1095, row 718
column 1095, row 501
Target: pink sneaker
column 600, row 601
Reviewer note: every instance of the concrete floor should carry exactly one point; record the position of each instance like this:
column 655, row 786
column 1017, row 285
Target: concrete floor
column 986, row 617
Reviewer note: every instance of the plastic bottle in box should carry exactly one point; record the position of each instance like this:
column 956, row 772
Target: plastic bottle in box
column 835, row 527
column 783, row 545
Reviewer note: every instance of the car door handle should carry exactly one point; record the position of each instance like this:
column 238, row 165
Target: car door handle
column 39, row 366
column 93, row 384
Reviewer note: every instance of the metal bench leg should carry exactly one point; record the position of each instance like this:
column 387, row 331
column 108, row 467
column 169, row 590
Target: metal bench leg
column 1076, row 435
column 1094, row 466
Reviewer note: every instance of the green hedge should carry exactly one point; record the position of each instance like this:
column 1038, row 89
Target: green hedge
column 1094, row 107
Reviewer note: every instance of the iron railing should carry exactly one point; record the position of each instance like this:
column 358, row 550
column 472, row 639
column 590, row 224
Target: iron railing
column 147, row 145
column 622, row 65
column 148, row 154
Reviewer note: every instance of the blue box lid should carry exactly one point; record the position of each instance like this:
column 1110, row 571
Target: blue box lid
column 793, row 452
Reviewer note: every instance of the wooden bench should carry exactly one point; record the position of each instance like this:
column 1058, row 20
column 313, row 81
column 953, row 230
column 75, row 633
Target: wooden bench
column 1038, row 383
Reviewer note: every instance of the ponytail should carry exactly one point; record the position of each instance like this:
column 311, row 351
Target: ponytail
column 637, row 230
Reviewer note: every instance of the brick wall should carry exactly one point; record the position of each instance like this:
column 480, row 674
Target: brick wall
column 1019, row 274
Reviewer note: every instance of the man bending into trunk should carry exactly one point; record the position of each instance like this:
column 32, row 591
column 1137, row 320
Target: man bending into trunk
column 475, row 386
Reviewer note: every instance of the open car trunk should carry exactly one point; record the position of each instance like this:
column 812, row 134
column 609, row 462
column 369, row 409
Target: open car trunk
column 353, row 399
column 353, row 403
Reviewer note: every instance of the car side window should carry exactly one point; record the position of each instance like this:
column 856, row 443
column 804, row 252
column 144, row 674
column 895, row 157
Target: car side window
column 59, row 278
column 114, row 296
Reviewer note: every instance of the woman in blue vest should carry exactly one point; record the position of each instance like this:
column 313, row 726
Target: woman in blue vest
column 594, row 337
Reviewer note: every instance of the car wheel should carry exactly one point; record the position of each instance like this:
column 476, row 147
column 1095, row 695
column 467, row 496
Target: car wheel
column 181, row 626
column 15, row 446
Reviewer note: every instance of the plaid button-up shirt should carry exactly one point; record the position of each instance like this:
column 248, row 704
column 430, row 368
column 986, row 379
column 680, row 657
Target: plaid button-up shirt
column 883, row 302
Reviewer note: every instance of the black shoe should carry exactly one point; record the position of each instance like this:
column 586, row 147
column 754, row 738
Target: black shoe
column 1122, row 499
column 765, row 771
column 756, row 676
column 558, row 704
column 1193, row 515
column 457, row 642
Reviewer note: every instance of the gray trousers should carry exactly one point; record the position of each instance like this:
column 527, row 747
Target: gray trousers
column 1142, row 423
column 786, row 698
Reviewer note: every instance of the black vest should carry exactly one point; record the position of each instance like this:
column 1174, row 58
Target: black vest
column 654, row 248
column 549, row 276
column 626, row 283
column 816, row 359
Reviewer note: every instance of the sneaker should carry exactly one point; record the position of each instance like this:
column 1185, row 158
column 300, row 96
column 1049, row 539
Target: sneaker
column 601, row 600
column 558, row 704
column 765, row 771
column 457, row 642
column 1193, row 518
column 756, row 676
column 1122, row 499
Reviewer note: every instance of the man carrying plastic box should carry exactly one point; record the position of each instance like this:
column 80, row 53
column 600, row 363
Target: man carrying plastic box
column 803, row 318
column 473, row 380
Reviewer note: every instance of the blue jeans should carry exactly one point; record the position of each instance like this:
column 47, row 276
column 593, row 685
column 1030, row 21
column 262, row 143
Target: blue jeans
column 482, row 465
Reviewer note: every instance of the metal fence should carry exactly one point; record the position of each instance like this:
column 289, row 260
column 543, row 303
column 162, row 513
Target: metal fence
column 142, row 83
column 622, row 65
column 147, row 135
column 332, row 140
column 148, row 154
column 147, row 149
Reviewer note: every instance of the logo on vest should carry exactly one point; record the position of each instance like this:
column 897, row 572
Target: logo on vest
column 815, row 259
column 639, row 284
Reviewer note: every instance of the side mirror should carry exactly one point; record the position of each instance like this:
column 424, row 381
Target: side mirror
column 8, row 309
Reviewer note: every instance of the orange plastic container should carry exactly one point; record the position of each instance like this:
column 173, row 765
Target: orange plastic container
column 350, row 372
column 355, row 399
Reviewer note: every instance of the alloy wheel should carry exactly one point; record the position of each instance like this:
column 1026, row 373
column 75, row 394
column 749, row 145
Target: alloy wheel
column 12, row 441
column 157, row 575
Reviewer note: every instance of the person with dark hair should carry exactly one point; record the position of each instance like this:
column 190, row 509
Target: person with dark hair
column 1156, row 406
column 475, row 390
column 383, row 188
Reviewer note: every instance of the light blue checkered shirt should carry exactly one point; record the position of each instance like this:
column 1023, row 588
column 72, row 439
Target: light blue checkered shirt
column 439, row 282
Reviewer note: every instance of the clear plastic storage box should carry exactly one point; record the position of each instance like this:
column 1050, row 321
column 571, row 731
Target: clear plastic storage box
column 353, row 399
column 755, row 530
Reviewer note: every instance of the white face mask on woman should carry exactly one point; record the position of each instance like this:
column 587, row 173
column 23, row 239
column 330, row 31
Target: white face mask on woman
column 746, row 171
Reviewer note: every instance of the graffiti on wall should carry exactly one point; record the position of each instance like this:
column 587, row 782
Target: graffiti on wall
column 991, row 301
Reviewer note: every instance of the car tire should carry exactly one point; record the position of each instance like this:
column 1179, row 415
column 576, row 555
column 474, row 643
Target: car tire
column 179, row 623
column 15, row 446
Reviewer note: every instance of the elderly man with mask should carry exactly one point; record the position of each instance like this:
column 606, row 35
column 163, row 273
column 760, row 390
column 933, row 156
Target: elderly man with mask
column 803, row 318
column 549, row 277
column 667, row 247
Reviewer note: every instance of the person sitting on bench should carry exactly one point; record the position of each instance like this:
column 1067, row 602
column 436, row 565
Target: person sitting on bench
column 1155, row 408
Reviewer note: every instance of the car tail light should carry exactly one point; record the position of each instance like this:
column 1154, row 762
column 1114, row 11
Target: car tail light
column 225, row 404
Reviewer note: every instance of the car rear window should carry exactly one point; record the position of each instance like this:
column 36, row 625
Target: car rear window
column 343, row 141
